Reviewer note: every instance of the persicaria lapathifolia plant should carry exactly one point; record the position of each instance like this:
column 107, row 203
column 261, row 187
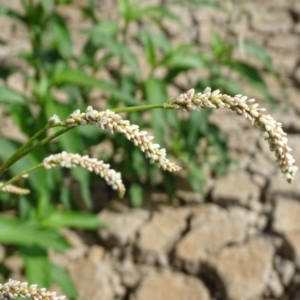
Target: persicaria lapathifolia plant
column 112, row 121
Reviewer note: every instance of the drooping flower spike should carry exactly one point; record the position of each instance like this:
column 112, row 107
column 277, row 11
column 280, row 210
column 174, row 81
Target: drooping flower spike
column 13, row 189
column 114, row 123
column 270, row 128
column 189, row 101
column 70, row 160
column 14, row 289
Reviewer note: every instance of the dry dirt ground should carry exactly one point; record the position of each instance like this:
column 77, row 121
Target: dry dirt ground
column 240, row 241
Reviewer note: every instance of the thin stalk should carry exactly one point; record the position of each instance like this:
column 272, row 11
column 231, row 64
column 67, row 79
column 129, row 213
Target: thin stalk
column 20, row 175
column 142, row 107
column 25, row 149
column 117, row 110
column 17, row 155
column 44, row 141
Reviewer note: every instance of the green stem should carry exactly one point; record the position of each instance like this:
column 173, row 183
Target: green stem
column 44, row 141
column 64, row 130
column 18, row 154
column 142, row 107
column 25, row 149
column 20, row 175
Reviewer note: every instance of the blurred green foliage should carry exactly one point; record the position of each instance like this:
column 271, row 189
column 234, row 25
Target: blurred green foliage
column 133, row 77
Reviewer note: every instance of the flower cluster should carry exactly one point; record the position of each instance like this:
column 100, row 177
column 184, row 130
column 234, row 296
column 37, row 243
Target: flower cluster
column 10, row 188
column 114, row 123
column 271, row 129
column 13, row 289
column 54, row 120
column 69, row 160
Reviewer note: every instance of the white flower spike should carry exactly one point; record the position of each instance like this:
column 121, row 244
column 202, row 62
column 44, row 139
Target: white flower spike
column 270, row 128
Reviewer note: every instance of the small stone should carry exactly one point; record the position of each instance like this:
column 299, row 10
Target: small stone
column 157, row 237
column 223, row 119
column 293, row 96
column 293, row 238
column 129, row 273
column 284, row 42
column 244, row 140
column 285, row 63
column 211, row 229
column 286, row 215
column 275, row 287
column 262, row 222
column 2, row 252
column 235, row 187
column 259, row 180
column 245, row 269
column 285, row 268
column 95, row 281
column 272, row 21
column 296, row 7
column 189, row 196
column 96, row 253
column 252, row 231
column 261, row 165
column 122, row 225
column 14, row 263
column 175, row 286
column 279, row 186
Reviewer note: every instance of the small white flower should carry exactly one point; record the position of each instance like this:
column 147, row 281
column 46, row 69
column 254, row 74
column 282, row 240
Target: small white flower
column 54, row 120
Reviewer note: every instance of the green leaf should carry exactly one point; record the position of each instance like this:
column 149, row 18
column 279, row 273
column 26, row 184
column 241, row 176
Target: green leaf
column 254, row 78
column 212, row 3
column 138, row 162
column 75, row 219
column 225, row 84
column 136, row 195
column 37, row 265
column 72, row 143
column 69, row 76
column 155, row 92
column 89, row 11
column 7, row 149
column 29, row 125
column 195, row 174
column 261, row 55
column 102, row 39
column 25, row 233
column 78, row 77
column 158, row 12
column 158, row 41
column 61, row 35
column 62, row 278
column 105, row 27
column 183, row 58
column 221, row 48
column 10, row 96
column 48, row 5
column 130, row 12
column 150, row 50
column 151, row 42
column 247, row 71
column 193, row 132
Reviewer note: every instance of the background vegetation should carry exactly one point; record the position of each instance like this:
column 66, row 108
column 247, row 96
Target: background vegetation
column 131, row 62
